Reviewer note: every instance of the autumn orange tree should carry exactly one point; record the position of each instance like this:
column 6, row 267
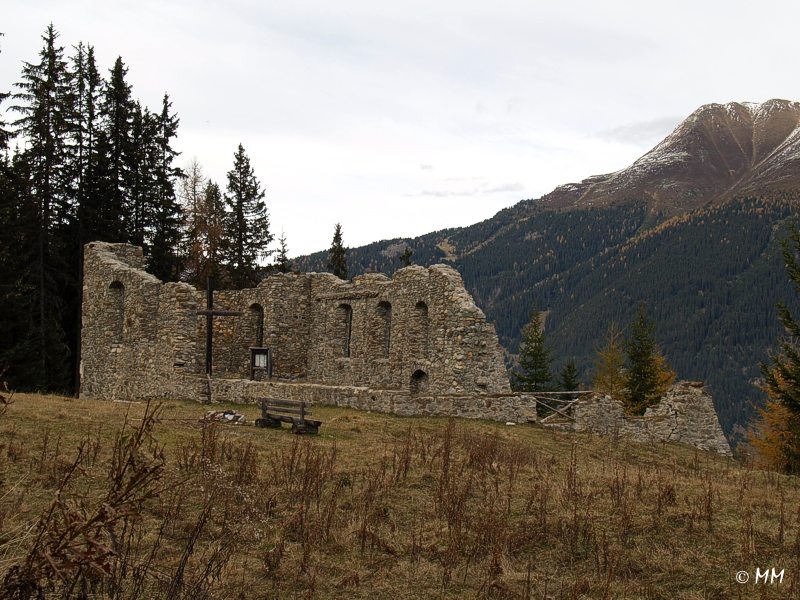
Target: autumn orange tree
column 776, row 436
column 609, row 373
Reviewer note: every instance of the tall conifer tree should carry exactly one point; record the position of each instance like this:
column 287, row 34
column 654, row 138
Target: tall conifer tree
column 247, row 222
column 194, row 219
column 165, row 260
column 43, row 193
column 648, row 376
column 214, row 233
column 568, row 377
column 282, row 262
column 90, row 161
column 337, row 255
column 534, row 358
column 117, row 220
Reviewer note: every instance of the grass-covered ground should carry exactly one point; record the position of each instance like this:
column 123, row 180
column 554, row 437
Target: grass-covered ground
column 374, row 507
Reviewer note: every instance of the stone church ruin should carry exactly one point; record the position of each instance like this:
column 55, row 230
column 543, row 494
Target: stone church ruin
column 415, row 344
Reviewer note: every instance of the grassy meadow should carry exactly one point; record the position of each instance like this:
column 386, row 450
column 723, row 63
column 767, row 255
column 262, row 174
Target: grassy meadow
column 130, row 500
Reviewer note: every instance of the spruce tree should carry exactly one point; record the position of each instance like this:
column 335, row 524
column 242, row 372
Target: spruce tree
column 164, row 220
column 282, row 262
column 139, row 186
column 42, row 194
column 90, row 161
column 648, row 376
column 337, row 254
column 247, row 222
column 534, row 358
column 782, row 375
column 568, row 377
column 117, row 223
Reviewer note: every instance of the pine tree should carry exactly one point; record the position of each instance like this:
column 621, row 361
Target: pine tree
column 648, row 376
column 568, row 377
column 337, row 255
column 609, row 370
column 247, row 222
column 534, row 358
column 86, row 85
column 282, row 262
column 782, row 376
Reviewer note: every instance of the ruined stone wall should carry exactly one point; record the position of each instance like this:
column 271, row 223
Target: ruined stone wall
column 507, row 408
column 685, row 414
column 412, row 345
column 138, row 334
column 419, row 332
column 276, row 314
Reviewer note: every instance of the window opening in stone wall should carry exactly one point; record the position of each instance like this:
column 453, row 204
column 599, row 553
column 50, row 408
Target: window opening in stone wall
column 384, row 328
column 116, row 303
column 256, row 315
column 345, row 318
column 422, row 326
column 419, row 382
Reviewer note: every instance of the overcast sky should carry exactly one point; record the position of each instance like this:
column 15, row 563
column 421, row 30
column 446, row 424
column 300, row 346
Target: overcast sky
column 401, row 118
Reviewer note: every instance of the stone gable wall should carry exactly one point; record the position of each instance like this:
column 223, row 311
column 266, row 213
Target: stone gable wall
column 138, row 334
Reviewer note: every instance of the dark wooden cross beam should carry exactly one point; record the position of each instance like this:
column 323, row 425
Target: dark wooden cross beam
column 210, row 313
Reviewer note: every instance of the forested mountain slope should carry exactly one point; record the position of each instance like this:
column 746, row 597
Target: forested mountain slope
column 693, row 228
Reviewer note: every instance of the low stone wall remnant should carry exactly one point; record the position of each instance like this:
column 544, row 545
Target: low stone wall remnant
column 685, row 414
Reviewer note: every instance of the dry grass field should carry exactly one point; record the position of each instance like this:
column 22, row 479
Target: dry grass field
column 122, row 500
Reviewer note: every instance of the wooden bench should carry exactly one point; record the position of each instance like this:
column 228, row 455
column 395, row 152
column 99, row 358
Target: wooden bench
column 275, row 412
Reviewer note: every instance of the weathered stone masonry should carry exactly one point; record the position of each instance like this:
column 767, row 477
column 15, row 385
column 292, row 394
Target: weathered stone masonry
column 418, row 338
column 415, row 344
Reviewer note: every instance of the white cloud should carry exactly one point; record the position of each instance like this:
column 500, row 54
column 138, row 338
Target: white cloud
column 346, row 108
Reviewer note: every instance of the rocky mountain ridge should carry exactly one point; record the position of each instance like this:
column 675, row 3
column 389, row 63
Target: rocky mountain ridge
column 720, row 151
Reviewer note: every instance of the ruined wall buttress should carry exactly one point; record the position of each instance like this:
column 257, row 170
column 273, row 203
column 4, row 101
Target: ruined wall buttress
column 138, row 334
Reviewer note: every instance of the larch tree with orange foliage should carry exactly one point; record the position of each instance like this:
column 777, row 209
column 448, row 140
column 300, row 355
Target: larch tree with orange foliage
column 776, row 437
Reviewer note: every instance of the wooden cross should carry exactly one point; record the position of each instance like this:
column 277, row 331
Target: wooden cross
column 210, row 313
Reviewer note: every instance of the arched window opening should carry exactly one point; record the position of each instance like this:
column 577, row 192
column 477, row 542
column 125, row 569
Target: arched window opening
column 256, row 324
column 419, row 382
column 345, row 327
column 422, row 325
column 384, row 328
column 116, row 306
